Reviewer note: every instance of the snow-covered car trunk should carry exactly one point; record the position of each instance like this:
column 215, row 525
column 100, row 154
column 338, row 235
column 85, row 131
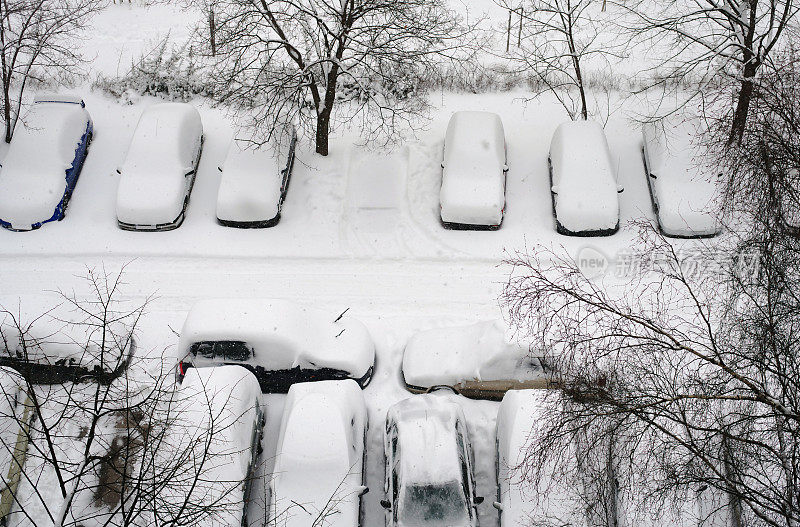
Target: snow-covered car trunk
column 685, row 195
column 254, row 184
column 473, row 188
column 281, row 342
column 583, row 185
column 482, row 361
column 159, row 170
column 429, row 464
column 216, row 426
column 43, row 163
column 63, row 344
column 320, row 456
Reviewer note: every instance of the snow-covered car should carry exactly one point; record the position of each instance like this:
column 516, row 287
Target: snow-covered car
column 482, row 360
column 48, row 342
column 583, row 185
column 254, row 184
column 473, row 193
column 429, row 464
column 319, row 460
column 159, row 170
column 13, row 417
column 217, row 424
column 43, row 163
column 520, row 500
column 281, row 342
column 685, row 196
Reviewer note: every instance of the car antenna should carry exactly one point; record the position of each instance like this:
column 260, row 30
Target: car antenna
column 340, row 316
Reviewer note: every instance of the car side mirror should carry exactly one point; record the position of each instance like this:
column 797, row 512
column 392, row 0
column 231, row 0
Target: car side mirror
column 119, row 171
column 620, row 189
column 478, row 500
column 385, row 504
column 554, row 189
column 442, row 164
column 219, row 168
column 505, row 168
column 497, row 505
column 362, row 490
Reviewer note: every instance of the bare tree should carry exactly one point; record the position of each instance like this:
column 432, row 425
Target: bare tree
column 316, row 63
column 729, row 38
column 557, row 38
column 92, row 449
column 38, row 43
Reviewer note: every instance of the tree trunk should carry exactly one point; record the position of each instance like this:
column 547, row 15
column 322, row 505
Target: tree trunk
column 743, row 104
column 323, row 129
column 7, row 115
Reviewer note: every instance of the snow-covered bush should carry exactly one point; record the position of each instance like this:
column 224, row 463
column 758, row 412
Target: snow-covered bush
column 173, row 72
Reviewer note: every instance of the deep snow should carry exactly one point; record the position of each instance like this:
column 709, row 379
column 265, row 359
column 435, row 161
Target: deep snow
column 344, row 240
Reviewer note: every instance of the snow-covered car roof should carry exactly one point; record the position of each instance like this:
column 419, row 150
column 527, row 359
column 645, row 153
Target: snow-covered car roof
column 56, row 332
column 319, row 455
column 684, row 187
column 473, row 179
column 282, row 334
column 583, row 178
column 524, row 503
column 426, row 431
column 468, row 356
column 250, row 187
column 152, row 183
column 215, row 412
column 33, row 175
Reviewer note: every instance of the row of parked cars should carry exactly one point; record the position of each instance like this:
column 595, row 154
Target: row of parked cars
column 51, row 143
column 583, row 181
column 158, row 173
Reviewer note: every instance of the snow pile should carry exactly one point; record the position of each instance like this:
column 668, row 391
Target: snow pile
column 473, row 179
column 522, row 501
column 485, row 351
column 685, row 194
column 33, row 175
column 164, row 149
column 251, row 184
column 584, row 184
column 48, row 330
column 320, row 453
column 282, row 334
column 216, row 416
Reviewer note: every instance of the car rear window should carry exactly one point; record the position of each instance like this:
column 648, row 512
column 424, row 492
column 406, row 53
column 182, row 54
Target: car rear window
column 234, row 350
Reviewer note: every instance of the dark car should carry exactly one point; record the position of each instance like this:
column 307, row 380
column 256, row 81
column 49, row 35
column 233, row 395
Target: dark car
column 429, row 464
column 43, row 163
column 281, row 342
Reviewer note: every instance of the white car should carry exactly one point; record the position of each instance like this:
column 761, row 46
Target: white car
column 520, row 502
column 44, row 161
column 685, row 195
column 216, row 428
column 473, row 193
column 281, row 342
column 482, row 360
column 319, row 463
column 583, row 185
column 12, row 416
column 159, row 170
column 254, row 184
column 429, row 464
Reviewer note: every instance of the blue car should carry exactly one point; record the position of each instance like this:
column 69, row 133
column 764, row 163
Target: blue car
column 43, row 163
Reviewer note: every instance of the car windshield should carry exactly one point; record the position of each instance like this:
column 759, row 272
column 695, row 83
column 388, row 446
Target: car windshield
column 433, row 505
column 222, row 349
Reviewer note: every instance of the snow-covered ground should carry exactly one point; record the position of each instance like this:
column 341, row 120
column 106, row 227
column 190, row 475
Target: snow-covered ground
column 359, row 229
